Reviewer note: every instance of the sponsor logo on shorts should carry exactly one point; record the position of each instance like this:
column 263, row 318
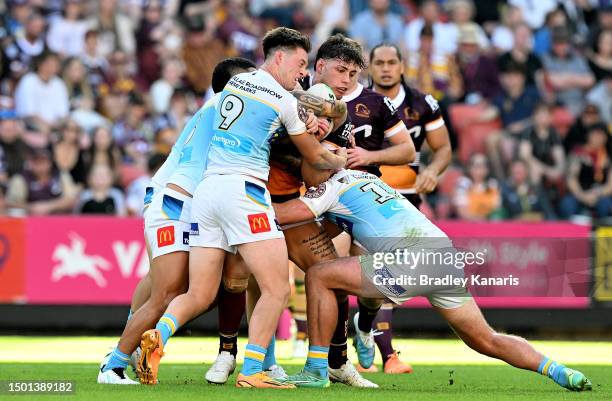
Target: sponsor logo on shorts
column 259, row 223
column 165, row 236
column 194, row 229
column 185, row 238
column 396, row 290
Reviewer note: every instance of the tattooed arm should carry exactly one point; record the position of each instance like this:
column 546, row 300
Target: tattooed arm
column 335, row 109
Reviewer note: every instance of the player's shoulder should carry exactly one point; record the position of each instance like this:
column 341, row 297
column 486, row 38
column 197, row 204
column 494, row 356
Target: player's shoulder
column 415, row 96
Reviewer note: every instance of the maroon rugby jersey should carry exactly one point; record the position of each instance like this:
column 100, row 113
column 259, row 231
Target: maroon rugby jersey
column 374, row 119
column 421, row 114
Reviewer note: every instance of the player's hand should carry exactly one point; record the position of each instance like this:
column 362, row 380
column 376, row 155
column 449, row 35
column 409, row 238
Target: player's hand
column 312, row 123
column 358, row 157
column 324, row 128
column 341, row 152
column 426, row 182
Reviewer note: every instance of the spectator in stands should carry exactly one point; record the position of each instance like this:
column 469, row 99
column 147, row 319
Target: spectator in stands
column 119, row 77
column 600, row 57
column 522, row 54
column 67, row 33
column 95, row 63
column 239, row 31
column 333, row 14
column 3, row 207
column 555, row 19
column 280, row 11
column 41, row 97
column 134, row 132
column 535, row 12
column 478, row 70
column 12, row 144
column 434, row 72
column 178, row 113
column 462, row 14
column 104, row 150
column 601, row 96
column 477, row 196
column 163, row 88
column 100, row 197
column 578, row 132
column 522, row 199
column 590, row 177
column 382, row 26
column 115, row 30
column 502, row 35
column 67, row 152
column 29, row 44
column 41, row 189
column 541, row 148
column 429, row 15
column 16, row 18
column 514, row 106
column 148, row 36
column 567, row 72
column 201, row 53
column 137, row 188
column 75, row 78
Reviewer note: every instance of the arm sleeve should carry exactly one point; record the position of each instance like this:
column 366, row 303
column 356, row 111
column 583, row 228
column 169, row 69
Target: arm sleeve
column 290, row 117
column 322, row 198
column 432, row 118
column 392, row 124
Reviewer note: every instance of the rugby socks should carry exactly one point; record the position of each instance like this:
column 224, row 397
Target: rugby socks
column 167, row 326
column 117, row 360
column 270, row 359
column 338, row 350
column 384, row 332
column 231, row 308
column 254, row 356
column 366, row 317
column 317, row 360
column 228, row 343
column 554, row 370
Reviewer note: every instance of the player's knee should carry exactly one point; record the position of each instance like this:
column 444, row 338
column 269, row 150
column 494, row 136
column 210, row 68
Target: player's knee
column 235, row 285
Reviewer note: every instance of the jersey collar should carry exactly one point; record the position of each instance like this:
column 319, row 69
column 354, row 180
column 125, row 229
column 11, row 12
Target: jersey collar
column 354, row 94
column 399, row 99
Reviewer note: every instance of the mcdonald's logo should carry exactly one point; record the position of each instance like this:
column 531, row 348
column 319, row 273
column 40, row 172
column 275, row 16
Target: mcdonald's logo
column 165, row 236
column 259, row 223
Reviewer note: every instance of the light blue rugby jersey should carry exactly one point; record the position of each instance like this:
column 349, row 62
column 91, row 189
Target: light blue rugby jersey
column 187, row 159
column 373, row 213
column 251, row 109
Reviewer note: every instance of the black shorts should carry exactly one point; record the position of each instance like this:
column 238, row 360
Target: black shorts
column 284, row 198
column 415, row 199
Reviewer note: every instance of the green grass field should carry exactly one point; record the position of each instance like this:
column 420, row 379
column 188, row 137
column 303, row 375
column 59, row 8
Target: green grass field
column 444, row 370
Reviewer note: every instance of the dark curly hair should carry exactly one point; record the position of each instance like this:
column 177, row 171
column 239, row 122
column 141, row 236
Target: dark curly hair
column 342, row 48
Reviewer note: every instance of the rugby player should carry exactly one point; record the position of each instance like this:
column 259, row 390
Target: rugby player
column 381, row 220
column 167, row 206
column 421, row 115
column 232, row 206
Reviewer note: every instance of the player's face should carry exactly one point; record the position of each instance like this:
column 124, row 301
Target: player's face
column 386, row 68
column 336, row 74
column 293, row 65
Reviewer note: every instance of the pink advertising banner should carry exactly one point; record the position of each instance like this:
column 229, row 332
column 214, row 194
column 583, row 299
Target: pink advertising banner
column 84, row 260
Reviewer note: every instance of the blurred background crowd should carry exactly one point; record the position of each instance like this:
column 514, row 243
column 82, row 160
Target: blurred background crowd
column 94, row 93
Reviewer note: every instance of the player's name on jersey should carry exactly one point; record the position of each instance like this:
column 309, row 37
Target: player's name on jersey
column 425, row 280
column 249, row 87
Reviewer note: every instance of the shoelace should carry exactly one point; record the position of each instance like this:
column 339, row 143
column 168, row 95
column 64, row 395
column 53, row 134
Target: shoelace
column 222, row 364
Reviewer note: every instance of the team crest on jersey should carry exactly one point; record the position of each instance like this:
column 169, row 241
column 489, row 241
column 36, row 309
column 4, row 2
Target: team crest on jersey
column 410, row 114
column 432, row 102
column 362, row 110
column 317, row 192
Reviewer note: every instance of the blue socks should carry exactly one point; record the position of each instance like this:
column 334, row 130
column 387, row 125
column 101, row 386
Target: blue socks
column 317, row 360
column 167, row 326
column 254, row 356
column 554, row 370
column 117, row 360
column 270, row 358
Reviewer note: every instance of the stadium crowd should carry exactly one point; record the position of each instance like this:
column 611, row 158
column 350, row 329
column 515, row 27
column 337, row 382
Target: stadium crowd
column 94, row 94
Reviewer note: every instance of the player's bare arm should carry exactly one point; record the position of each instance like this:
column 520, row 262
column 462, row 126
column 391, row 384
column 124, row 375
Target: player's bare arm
column 315, row 154
column 439, row 143
column 293, row 211
column 401, row 152
column 335, row 109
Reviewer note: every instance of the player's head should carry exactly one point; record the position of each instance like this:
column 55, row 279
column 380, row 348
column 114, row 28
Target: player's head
column 386, row 66
column 338, row 63
column 227, row 68
column 286, row 55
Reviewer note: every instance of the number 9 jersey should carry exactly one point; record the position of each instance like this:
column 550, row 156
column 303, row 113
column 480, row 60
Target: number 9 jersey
column 252, row 108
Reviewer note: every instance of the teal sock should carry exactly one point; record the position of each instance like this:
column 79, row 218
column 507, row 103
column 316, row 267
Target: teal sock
column 167, row 326
column 117, row 360
column 254, row 356
column 270, row 358
column 554, row 370
column 317, row 360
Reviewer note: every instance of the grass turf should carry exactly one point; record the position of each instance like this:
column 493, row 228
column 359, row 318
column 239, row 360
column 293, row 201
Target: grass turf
column 457, row 373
